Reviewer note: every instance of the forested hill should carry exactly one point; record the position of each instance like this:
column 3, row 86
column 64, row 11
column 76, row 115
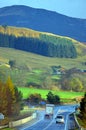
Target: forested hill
column 43, row 20
column 45, row 44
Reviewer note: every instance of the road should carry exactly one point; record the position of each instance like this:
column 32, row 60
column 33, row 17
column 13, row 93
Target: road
column 50, row 124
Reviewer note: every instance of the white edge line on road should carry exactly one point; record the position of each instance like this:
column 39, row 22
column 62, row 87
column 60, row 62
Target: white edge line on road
column 51, row 122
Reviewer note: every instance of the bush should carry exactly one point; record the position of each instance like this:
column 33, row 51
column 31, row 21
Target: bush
column 35, row 98
column 53, row 99
column 5, row 121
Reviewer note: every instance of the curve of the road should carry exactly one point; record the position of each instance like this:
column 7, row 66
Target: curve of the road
column 50, row 124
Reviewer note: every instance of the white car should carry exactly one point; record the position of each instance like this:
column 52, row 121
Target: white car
column 59, row 119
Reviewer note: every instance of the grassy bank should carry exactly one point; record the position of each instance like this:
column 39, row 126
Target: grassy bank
column 38, row 61
column 82, row 122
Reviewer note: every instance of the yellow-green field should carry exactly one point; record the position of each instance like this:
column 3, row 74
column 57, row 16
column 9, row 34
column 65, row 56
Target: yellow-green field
column 62, row 94
column 38, row 61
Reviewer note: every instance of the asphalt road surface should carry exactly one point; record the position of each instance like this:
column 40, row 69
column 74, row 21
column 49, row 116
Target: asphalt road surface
column 50, row 124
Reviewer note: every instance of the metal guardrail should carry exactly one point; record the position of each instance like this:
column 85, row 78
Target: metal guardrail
column 77, row 126
column 80, row 128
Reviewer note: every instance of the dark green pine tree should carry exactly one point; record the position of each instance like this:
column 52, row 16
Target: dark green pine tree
column 50, row 97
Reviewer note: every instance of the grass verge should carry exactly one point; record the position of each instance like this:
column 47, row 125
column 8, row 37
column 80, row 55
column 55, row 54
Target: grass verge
column 82, row 122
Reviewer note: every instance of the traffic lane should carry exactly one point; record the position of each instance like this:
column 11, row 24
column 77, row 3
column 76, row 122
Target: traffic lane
column 38, row 126
column 54, row 126
column 46, row 124
column 71, row 122
column 42, row 124
column 60, row 126
column 68, row 108
column 64, row 114
column 40, row 117
column 65, row 111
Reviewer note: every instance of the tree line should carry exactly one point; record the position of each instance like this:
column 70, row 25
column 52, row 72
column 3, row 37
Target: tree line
column 37, row 99
column 49, row 47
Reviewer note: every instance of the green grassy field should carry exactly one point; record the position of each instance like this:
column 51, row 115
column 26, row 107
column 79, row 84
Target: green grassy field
column 63, row 95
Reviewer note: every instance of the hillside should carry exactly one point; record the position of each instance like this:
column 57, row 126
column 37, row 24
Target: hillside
column 43, row 20
column 45, row 44
column 37, row 61
column 34, row 70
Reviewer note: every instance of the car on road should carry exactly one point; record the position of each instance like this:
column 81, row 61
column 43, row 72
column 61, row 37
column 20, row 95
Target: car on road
column 59, row 119
column 48, row 116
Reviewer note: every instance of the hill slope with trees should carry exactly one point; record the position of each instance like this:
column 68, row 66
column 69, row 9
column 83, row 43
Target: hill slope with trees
column 45, row 44
column 32, row 70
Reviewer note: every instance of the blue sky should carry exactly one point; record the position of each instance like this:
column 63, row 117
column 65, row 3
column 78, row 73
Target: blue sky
column 73, row 8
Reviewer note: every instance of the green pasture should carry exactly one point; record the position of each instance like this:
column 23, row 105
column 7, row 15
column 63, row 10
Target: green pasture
column 62, row 94
column 56, row 77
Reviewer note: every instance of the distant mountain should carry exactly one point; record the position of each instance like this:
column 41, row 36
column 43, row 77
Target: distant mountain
column 41, row 43
column 43, row 20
